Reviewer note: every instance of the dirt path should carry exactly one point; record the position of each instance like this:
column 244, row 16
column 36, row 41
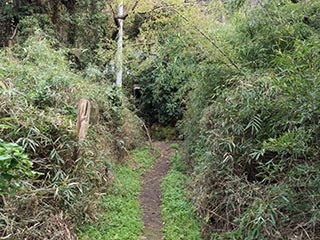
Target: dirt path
column 150, row 197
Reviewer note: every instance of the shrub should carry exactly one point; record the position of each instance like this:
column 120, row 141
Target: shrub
column 14, row 164
column 39, row 94
column 253, row 139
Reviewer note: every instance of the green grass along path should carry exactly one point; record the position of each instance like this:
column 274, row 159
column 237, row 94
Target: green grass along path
column 131, row 213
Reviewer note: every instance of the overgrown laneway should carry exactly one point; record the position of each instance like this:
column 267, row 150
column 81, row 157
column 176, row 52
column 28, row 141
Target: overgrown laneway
column 84, row 84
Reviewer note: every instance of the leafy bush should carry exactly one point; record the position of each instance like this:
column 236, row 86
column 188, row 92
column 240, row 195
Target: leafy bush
column 14, row 164
column 165, row 70
column 272, row 31
column 253, row 136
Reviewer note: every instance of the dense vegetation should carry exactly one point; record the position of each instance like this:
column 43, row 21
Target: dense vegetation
column 256, row 140
column 252, row 131
column 246, row 78
column 239, row 79
column 50, row 182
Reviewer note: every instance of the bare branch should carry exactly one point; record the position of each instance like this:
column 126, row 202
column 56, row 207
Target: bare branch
column 113, row 12
column 14, row 33
column 135, row 5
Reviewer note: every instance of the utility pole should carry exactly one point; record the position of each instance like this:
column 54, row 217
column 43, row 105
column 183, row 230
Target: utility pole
column 119, row 56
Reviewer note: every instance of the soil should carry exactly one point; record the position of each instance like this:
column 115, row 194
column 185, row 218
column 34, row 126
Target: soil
column 150, row 197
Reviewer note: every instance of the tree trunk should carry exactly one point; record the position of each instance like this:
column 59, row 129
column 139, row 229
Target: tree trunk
column 71, row 7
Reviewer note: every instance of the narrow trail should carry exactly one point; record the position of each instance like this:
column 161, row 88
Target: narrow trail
column 150, row 197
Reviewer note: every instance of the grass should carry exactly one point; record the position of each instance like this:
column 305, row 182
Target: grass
column 180, row 221
column 122, row 217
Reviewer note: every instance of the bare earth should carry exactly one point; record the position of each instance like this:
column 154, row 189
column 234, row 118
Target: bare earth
column 150, row 197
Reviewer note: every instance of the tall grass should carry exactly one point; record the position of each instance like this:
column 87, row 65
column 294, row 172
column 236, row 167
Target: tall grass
column 38, row 96
column 254, row 151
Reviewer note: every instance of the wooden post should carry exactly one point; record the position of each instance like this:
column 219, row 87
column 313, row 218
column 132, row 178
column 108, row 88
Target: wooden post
column 83, row 119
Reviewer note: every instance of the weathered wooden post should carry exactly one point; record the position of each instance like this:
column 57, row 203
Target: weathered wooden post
column 84, row 108
column 88, row 113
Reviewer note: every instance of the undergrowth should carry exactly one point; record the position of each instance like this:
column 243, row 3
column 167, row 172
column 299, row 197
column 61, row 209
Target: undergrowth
column 253, row 136
column 180, row 221
column 122, row 215
column 38, row 104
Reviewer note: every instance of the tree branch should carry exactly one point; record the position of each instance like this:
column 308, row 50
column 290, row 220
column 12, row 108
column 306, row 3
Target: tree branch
column 116, row 17
column 14, row 33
